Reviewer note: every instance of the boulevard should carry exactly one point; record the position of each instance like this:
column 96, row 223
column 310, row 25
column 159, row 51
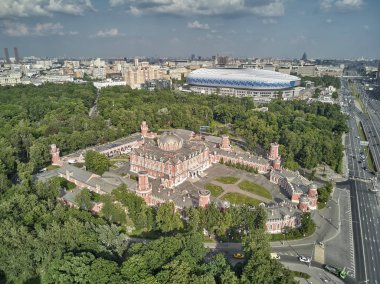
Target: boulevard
column 365, row 210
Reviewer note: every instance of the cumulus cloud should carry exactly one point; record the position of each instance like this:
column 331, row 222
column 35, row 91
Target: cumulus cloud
column 16, row 29
column 269, row 21
column 341, row 4
column 197, row 25
column 27, row 8
column 267, row 8
column 107, row 33
column 349, row 4
column 48, row 28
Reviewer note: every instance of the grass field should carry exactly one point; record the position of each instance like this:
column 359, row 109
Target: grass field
column 240, row 199
column 255, row 188
column 215, row 189
column 227, row 179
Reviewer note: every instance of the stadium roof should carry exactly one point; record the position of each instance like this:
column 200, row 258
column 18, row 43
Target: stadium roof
column 242, row 78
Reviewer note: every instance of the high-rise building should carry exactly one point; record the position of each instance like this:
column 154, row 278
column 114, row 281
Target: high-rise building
column 6, row 54
column 304, row 57
column 17, row 58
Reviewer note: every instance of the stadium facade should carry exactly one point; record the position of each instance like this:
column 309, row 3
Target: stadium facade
column 262, row 85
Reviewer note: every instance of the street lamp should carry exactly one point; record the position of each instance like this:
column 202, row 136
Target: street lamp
column 312, row 253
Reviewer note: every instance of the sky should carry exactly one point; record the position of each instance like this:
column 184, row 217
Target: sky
column 179, row 28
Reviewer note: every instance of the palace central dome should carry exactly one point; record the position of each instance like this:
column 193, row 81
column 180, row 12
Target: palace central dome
column 170, row 142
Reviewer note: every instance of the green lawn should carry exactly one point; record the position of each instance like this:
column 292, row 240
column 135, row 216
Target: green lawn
column 227, row 179
column 215, row 189
column 255, row 188
column 238, row 199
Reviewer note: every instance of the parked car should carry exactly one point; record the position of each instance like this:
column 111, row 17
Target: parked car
column 304, row 259
column 238, row 255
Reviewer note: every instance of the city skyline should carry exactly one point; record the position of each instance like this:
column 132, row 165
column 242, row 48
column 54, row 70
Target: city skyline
column 127, row 28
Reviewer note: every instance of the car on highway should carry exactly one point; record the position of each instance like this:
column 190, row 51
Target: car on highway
column 238, row 255
column 304, row 259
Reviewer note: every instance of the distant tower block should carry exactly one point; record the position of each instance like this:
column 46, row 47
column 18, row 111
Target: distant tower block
column 17, row 58
column 144, row 189
column 54, row 152
column 6, row 54
column 225, row 144
column 144, row 129
column 204, row 198
column 273, row 152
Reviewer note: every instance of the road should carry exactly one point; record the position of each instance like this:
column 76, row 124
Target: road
column 365, row 211
column 371, row 123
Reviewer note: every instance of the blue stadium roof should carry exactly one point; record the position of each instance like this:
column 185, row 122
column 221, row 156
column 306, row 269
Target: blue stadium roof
column 254, row 79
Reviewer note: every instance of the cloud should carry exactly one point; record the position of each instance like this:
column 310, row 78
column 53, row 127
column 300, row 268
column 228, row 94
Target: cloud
column 265, row 8
column 70, row 7
column 107, row 33
column 329, row 21
column 16, row 29
column 28, row 8
column 341, row 5
column 326, row 4
column 269, row 21
column 197, row 25
column 366, row 27
column 349, row 4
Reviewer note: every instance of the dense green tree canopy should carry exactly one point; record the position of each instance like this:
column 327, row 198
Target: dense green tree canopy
column 96, row 162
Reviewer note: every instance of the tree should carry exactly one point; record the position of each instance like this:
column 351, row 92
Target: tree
column 81, row 268
column 335, row 95
column 105, row 272
column 70, row 269
column 111, row 239
column 317, row 93
column 83, row 199
column 307, row 224
column 228, row 277
column 114, row 212
column 96, row 162
column 167, row 218
column 194, row 220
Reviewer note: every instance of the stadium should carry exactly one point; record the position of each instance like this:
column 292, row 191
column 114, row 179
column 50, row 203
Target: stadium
column 262, row 85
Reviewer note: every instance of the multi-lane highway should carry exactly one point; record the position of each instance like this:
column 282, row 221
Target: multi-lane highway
column 365, row 210
column 371, row 123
